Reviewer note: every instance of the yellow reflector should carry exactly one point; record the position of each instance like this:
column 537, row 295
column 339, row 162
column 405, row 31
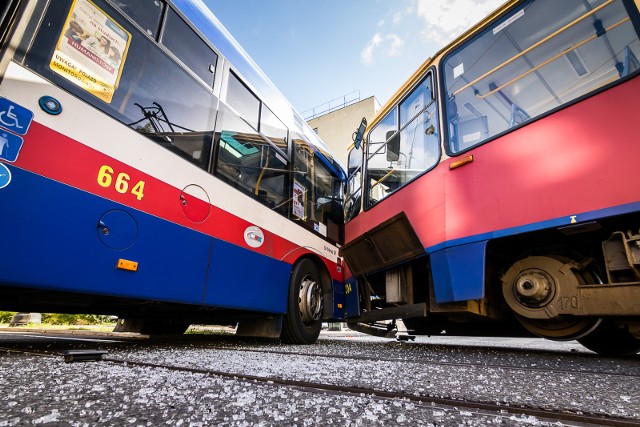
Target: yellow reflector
column 339, row 305
column 124, row 264
column 461, row 162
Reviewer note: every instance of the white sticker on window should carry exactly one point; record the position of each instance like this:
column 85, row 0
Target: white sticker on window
column 458, row 71
column 471, row 137
column 320, row 228
column 299, row 200
column 508, row 22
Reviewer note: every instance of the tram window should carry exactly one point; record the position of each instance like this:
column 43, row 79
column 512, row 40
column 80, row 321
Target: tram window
column 419, row 98
column 154, row 94
column 145, row 13
column 250, row 163
column 273, row 128
column 192, row 146
column 354, row 185
column 395, row 157
column 317, row 193
column 532, row 61
column 328, row 201
column 184, row 43
column 243, row 101
column 302, row 181
column 383, row 131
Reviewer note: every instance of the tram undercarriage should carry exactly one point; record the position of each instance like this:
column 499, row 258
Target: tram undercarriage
column 556, row 284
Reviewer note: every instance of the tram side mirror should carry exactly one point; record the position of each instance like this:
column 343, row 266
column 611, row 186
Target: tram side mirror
column 359, row 134
column 393, row 146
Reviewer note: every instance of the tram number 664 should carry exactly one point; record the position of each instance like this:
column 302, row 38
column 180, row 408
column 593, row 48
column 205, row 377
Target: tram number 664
column 121, row 183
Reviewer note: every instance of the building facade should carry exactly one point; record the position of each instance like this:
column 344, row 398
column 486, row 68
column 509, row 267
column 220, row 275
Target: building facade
column 336, row 128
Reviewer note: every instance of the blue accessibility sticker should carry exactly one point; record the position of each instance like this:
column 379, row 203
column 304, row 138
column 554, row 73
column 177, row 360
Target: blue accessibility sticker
column 5, row 176
column 14, row 117
column 10, row 146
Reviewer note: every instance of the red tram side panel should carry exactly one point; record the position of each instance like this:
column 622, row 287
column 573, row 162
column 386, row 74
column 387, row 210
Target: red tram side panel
column 576, row 162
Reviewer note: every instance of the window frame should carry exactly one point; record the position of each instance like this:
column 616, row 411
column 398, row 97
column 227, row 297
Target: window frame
column 261, row 104
column 155, row 36
column 353, row 177
column 167, row 10
column 264, row 107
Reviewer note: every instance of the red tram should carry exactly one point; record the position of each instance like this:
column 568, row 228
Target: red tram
column 496, row 192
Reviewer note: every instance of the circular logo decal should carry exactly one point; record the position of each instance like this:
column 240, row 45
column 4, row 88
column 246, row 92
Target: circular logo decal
column 253, row 236
column 5, row 176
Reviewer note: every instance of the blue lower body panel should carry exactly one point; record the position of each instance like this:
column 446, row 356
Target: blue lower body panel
column 458, row 272
column 351, row 298
column 240, row 278
column 53, row 237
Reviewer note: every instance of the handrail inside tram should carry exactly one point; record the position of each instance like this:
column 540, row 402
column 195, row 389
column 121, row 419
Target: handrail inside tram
column 548, row 61
column 534, row 46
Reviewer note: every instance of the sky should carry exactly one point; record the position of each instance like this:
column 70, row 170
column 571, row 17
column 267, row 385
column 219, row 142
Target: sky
column 316, row 51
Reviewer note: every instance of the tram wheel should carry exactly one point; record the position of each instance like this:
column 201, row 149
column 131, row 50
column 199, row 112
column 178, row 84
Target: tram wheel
column 560, row 329
column 303, row 321
column 531, row 285
column 610, row 339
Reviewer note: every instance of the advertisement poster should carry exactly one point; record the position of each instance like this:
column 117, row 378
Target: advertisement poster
column 299, row 200
column 91, row 50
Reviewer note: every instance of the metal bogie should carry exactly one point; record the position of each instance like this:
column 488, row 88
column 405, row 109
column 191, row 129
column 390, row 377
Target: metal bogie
column 542, row 287
column 622, row 257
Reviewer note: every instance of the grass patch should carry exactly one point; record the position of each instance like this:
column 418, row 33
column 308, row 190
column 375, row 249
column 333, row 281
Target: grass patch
column 69, row 321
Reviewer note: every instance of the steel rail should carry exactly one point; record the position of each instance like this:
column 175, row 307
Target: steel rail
column 433, row 362
column 503, row 410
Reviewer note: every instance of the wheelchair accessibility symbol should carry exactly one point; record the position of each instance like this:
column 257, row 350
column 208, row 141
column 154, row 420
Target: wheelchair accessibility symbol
column 14, row 118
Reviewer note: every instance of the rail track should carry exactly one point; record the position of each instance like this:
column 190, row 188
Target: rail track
column 433, row 362
column 485, row 407
column 505, row 410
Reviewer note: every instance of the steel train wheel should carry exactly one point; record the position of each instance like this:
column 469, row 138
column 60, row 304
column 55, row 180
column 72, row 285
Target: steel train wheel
column 303, row 320
column 560, row 329
column 610, row 339
column 529, row 287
